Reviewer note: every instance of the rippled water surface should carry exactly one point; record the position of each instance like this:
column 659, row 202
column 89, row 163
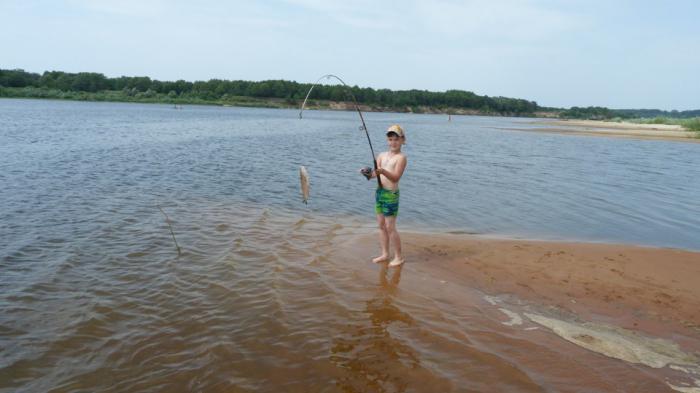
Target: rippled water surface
column 94, row 296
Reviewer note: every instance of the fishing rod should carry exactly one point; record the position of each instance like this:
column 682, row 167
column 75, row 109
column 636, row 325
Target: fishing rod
column 357, row 107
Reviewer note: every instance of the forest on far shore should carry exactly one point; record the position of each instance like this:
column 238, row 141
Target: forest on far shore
column 93, row 86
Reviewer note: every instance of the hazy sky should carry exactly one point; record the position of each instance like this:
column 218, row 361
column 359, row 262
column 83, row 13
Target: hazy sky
column 620, row 54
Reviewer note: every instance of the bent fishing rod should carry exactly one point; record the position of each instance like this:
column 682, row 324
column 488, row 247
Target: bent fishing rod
column 357, row 107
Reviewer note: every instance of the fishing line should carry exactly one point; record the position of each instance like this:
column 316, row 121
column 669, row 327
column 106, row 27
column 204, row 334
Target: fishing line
column 359, row 112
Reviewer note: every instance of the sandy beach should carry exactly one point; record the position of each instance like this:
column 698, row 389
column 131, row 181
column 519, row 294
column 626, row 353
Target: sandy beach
column 614, row 129
column 630, row 303
column 649, row 289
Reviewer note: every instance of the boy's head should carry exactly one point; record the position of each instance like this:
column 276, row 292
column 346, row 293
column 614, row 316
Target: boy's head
column 396, row 131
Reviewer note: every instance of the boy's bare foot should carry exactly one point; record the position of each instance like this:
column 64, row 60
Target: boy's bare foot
column 380, row 259
column 396, row 262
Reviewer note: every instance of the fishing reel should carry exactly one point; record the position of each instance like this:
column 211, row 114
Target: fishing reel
column 366, row 172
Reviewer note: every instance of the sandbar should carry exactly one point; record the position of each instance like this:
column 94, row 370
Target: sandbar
column 651, row 290
column 611, row 129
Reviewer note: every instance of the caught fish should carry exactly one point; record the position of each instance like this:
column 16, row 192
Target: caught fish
column 304, row 177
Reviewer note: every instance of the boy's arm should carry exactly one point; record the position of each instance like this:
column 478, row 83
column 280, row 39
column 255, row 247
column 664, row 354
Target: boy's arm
column 396, row 174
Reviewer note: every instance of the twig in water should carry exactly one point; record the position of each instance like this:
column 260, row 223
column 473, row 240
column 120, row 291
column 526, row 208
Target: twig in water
column 167, row 221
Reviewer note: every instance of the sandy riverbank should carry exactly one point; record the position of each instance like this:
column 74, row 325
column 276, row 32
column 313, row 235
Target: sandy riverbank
column 614, row 129
column 630, row 303
column 653, row 290
column 642, row 287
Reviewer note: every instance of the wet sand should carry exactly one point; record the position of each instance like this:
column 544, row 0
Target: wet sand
column 635, row 304
column 654, row 290
column 614, row 129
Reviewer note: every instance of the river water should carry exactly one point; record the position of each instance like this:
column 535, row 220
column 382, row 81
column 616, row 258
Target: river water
column 94, row 296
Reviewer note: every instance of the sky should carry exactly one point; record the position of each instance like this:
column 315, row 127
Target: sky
column 615, row 53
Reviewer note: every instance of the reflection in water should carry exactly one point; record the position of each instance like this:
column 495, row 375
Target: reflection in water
column 392, row 283
column 374, row 357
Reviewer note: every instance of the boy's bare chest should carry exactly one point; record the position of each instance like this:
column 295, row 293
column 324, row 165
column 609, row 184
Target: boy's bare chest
column 388, row 162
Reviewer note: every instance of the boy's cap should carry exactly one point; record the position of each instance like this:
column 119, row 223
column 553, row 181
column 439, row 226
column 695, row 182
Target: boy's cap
column 396, row 129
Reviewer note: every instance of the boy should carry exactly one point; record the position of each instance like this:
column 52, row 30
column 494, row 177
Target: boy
column 390, row 167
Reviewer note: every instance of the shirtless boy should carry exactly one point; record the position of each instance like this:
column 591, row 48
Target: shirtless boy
column 390, row 167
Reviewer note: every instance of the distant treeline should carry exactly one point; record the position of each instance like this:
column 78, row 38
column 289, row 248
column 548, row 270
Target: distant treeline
column 217, row 90
column 590, row 113
column 654, row 113
column 280, row 93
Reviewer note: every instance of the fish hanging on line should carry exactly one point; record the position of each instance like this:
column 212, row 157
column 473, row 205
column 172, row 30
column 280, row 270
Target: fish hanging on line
column 304, row 178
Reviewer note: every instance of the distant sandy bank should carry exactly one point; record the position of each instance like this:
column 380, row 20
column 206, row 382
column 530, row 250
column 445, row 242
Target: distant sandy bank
column 613, row 129
column 612, row 125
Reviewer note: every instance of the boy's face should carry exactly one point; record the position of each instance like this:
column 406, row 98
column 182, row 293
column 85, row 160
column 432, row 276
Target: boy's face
column 394, row 141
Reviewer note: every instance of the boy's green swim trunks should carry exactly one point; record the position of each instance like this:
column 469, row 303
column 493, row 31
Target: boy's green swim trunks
column 387, row 202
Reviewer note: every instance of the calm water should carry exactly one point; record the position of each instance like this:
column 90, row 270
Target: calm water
column 93, row 295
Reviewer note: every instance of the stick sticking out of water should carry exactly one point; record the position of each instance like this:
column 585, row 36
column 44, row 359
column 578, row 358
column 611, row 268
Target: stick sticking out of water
column 167, row 221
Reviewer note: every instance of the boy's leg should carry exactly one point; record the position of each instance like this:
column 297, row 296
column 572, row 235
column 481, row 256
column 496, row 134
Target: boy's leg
column 390, row 224
column 383, row 240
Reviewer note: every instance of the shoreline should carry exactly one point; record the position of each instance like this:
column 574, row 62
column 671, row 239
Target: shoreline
column 615, row 302
column 647, row 289
column 274, row 103
column 551, row 123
